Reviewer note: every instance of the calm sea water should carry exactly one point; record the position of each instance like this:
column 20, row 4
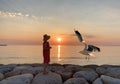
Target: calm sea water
column 59, row 54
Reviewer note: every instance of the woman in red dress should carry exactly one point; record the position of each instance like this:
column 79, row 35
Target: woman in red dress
column 46, row 52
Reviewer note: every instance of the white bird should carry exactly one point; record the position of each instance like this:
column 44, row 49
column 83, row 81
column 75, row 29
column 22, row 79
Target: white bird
column 89, row 49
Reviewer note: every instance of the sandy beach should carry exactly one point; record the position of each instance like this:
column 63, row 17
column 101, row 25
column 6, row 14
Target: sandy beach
column 59, row 74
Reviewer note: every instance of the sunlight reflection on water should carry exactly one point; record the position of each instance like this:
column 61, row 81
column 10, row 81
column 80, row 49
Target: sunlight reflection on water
column 59, row 54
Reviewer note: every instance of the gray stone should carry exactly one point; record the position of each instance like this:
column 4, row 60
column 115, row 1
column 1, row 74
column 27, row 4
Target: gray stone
column 87, row 69
column 7, row 68
column 98, row 81
column 37, row 65
column 91, row 66
column 19, row 79
column 106, row 66
column 73, row 68
column 76, row 81
column 1, row 76
column 101, row 70
column 22, row 68
column 114, row 75
column 1, row 64
column 10, row 65
column 33, row 70
column 110, row 80
column 65, row 74
column 55, row 68
column 50, row 78
column 113, row 69
column 36, row 69
column 12, row 73
column 55, row 64
column 89, row 76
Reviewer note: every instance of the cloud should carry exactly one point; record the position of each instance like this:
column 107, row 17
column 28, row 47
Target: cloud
column 67, row 34
column 19, row 15
column 12, row 14
column 107, row 14
column 89, row 36
column 84, row 35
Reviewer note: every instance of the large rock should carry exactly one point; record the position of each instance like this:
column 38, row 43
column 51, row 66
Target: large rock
column 1, row 76
column 55, row 68
column 101, row 70
column 91, row 66
column 55, row 64
column 33, row 64
column 98, row 81
column 35, row 70
column 65, row 74
column 37, row 65
column 1, row 64
column 113, row 69
column 19, row 79
column 88, row 75
column 110, row 80
column 87, row 69
column 73, row 68
column 12, row 73
column 50, row 78
column 7, row 68
column 114, row 75
column 20, row 68
column 106, row 66
column 24, row 70
column 76, row 81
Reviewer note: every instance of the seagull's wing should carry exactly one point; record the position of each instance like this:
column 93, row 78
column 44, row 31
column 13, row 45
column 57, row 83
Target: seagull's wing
column 93, row 48
column 79, row 36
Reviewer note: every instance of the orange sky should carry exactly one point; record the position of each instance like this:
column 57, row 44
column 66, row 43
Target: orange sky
column 23, row 22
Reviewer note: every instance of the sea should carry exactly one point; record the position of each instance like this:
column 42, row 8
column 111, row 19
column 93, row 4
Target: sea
column 63, row 54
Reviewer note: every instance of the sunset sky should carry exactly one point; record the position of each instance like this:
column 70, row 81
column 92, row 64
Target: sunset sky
column 26, row 21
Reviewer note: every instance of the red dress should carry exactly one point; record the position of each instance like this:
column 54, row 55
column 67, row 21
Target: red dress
column 46, row 52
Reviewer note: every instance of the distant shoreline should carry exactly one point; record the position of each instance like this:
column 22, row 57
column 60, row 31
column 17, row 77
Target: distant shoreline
column 52, row 45
column 3, row 44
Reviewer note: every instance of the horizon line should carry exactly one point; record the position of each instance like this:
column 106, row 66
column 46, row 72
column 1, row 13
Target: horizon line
column 63, row 44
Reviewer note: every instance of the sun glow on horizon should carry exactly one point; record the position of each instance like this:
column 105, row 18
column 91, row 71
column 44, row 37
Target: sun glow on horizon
column 59, row 39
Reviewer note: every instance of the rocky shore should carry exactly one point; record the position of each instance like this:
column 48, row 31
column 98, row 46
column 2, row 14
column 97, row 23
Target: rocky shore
column 59, row 74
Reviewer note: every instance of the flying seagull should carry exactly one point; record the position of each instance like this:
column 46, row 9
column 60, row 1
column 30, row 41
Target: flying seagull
column 89, row 49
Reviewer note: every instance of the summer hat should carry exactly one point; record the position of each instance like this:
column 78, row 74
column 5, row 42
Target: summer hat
column 46, row 37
